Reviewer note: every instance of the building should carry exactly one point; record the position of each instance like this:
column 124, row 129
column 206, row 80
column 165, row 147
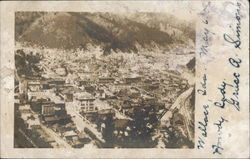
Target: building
column 16, row 98
column 56, row 119
column 87, row 105
column 54, row 113
column 62, row 71
column 50, row 119
column 67, row 93
column 85, row 102
column 105, row 80
column 34, row 86
column 56, row 83
column 60, row 110
column 23, row 86
column 37, row 85
column 83, row 83
column 68, row 97
column 70, row 135
column 33, row 123
column 38, row 95
column 48, row 109
column 24, row 108
column 25, row 116
column 36, row 104
column 83, row 137
column 131, row 80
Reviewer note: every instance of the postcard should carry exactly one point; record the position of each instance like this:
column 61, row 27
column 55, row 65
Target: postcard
column 124, row 79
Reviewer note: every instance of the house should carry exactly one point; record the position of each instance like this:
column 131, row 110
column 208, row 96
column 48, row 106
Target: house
column 67, row 93
column 68, row 97
column 36, row 104
column 106, row 112
column 34, row 86
column 50, row 140
column 132, row 80
column 62, row 71
column 77, row 144
column 87, row 105
column 89, row 88
column 48, row 109
column 70, row 135
column 16, row 98
column 39, row 84
column 25, row 116
column 83, row 83
column 23, row 97
column 59, row 106
column 51, row 119
column 33, row 123
column 102, row 105
column 25, row 108
column 56, row 82
column 55, row 127
column 105, row 80
column 83, row 137
column 85, row 102
column 23, row 86
column 154, row 86
column 38, row 94
column 45, row 86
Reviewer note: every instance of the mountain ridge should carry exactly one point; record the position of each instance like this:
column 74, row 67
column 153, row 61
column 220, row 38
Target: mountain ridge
column 72, row 30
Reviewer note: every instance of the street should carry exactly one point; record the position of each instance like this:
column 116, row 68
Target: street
column 56, row 137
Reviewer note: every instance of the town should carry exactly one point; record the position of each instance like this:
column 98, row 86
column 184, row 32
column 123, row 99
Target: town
column 105, row 109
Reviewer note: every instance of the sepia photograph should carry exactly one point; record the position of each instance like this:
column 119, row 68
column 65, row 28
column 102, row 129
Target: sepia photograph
column 104, row 80
column 124, row 79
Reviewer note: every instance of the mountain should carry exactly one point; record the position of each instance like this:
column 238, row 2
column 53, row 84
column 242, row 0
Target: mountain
column 179, row 29
column 23, row 20
column 112, row 32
